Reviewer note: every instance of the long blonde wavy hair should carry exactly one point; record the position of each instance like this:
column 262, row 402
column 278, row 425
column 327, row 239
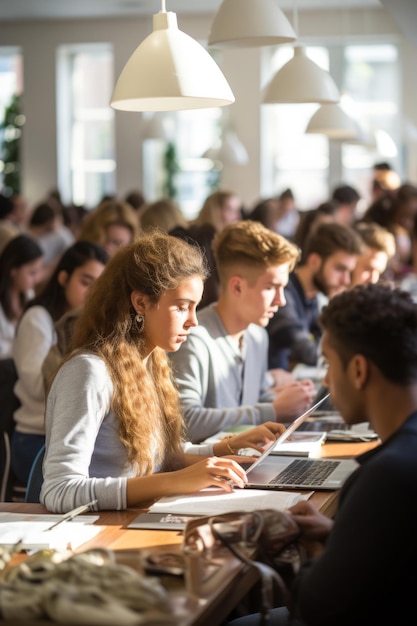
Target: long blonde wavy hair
column 145, row 399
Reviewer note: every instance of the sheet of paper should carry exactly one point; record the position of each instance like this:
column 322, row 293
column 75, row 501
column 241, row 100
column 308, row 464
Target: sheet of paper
column 161, row 521
column 32, row 531
column 215, row 501
column 301, row 444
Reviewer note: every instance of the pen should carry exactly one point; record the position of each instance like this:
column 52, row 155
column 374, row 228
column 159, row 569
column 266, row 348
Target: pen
column 71, row 514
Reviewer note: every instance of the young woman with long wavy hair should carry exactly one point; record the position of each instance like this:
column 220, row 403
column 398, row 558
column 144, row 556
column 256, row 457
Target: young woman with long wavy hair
column 114, row 429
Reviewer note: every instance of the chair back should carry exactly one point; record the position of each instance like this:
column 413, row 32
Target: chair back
column 35, row 480
column 8, row 405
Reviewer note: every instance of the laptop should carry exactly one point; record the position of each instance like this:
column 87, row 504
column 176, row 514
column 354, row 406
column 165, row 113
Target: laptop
column 330, row 421
column 336, row 429
column 286, row 472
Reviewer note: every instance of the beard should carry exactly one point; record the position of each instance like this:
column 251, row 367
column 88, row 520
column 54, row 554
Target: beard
column 320, row 283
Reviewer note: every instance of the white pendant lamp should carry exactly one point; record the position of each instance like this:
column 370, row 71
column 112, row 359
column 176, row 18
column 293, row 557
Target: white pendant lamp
column 170, row 71
column 230, row 150
column 301, row 80
column 250, row 23
column 156, row 128
column 233, row 151
column 332, row 121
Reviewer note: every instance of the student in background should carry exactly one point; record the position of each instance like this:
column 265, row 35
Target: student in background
column 164, row 214
column 309, row 220
column 397, row 212
column 220, row 208
column 21, row 266
column 328, row 260
column 136, row 199
column 221, row 372
column 119, row 438
column 289, row 216
column 12, row 218
column 266, row 212
column 46, row 225
column 378, row 250
column 355, row 572
column 346, row 200
column 112, row 224
column 385, row 180
column 79, row 266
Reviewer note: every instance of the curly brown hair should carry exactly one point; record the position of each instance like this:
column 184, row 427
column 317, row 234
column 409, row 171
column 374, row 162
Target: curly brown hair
column 378, row 322
column 145, row 399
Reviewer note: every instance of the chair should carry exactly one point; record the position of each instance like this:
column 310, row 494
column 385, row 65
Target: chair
column 35, row 479
column 8, row 405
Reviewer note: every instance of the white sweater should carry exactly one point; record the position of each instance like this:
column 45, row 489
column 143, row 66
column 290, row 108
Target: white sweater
column 7, row 330
column 34, row 337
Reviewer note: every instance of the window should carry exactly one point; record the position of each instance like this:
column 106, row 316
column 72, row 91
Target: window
column 86, row 152
column 369, row 79
column 190, row 133
column 197, row 131
column 372, row 80
column 290, row 158
column 11, row 83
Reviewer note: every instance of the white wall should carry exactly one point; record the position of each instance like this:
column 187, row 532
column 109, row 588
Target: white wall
column 40, row 39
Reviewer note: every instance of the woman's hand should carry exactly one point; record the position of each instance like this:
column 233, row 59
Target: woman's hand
column 210, row 472
column 256, row 438
column 223, row 473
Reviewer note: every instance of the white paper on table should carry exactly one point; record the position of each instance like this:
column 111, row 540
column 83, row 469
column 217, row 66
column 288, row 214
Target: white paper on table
column 32, row 531
column 216, row 501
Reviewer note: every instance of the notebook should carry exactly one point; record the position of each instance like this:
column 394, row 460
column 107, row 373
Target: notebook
column 336, row 428
column 297, row 444
column 300, row 444
column 286, row 472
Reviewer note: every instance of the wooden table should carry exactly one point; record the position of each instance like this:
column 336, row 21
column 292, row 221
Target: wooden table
column 236, row 580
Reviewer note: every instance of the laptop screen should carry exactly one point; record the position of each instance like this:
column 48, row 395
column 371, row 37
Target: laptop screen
column 290, row 429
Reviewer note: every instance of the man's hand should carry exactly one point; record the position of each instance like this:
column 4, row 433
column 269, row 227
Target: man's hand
column 313, row 525
column 294, row 399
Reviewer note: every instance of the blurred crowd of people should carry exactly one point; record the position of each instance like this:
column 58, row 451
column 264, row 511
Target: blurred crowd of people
column 51, row 254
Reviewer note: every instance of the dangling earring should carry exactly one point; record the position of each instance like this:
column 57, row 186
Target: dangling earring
column 139, row 319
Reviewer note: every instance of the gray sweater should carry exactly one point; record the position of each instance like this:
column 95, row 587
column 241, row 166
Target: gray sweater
column 219, row 385
column 85, row 459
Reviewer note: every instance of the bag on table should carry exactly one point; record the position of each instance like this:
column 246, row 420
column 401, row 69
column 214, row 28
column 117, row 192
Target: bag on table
column 265, row 539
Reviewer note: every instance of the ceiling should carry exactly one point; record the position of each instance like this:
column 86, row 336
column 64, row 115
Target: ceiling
column 58, row 9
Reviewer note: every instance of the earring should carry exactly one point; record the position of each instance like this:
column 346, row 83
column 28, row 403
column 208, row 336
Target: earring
column 139, row 319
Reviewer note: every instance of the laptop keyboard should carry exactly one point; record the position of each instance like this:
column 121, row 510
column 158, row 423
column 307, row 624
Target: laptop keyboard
column 305, row 472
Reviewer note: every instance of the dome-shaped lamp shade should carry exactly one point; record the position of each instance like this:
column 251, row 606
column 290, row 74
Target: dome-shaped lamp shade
column 301, row 80
column 170, row 71
column 332, row 121
column 250, row 23
column 157, row 128
column 233, row 150
column 230, row 150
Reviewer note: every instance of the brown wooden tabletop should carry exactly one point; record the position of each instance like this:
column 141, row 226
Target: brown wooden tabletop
column 235, row 581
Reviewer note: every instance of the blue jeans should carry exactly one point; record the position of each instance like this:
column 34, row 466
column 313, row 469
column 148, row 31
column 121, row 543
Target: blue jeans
column 25, row 447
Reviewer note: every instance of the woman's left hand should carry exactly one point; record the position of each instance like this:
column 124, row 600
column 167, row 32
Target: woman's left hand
column 255, row 438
